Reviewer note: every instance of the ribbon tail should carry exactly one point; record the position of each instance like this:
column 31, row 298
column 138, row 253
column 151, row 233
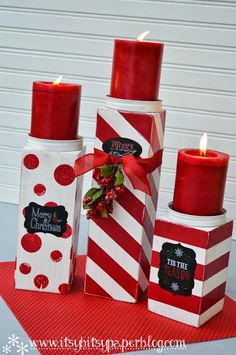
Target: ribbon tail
column 150, row 164
column 136, row 174
column 84, row 164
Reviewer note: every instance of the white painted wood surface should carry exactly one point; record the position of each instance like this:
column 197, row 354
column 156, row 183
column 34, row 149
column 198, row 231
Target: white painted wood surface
column 41, row 39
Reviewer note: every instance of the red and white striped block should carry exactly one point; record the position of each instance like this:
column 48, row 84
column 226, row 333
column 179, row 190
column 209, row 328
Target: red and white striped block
column 119, row 247
column 212, row 248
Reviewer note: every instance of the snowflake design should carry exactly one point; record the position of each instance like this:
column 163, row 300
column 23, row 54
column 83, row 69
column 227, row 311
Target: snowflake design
column 175, row 286
column 13, row 340
column 22, row 348
column 179, row 252
column 6, row 349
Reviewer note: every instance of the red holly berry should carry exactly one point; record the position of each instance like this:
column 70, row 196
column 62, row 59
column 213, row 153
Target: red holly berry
column 106, row 181
column 110, row 207
column 120, row 188
column 91, row 213
column 110, row 195
column 101, row 205
column 87, row 200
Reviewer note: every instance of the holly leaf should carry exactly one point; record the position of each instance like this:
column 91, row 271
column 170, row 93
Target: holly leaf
column 87, row 206
column 91, row 191
column 119, row 177
column 95, row 193
column 107, row 170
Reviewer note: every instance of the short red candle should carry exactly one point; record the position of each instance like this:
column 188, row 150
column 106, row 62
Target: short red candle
column 55, row 110
column 136, row 70
column 200, row 182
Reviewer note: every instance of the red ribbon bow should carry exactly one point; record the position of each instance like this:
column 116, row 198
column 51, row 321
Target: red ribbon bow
column 135, row 168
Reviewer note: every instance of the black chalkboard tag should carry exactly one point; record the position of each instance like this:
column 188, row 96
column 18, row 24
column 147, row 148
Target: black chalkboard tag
column 177, row 268
column 119, row 147
column 45, row 219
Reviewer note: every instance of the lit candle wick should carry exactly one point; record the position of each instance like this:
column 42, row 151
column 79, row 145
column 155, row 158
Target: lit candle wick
column 203, row 145
column 58, row 80
column 142, row 36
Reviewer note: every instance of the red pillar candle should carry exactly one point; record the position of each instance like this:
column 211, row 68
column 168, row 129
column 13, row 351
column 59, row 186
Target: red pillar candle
column 55, row 110
column 200, row 182
column 136, row 70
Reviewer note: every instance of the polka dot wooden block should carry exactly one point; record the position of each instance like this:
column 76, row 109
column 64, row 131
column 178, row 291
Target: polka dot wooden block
column 49, row 215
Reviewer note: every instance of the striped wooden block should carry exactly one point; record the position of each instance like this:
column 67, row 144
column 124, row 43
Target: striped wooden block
column 170, row 276
column 119, row 247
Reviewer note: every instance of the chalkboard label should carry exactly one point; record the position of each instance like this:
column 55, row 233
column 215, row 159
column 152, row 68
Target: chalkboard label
column 45, row 219
column 122, row 146
column 177, row 267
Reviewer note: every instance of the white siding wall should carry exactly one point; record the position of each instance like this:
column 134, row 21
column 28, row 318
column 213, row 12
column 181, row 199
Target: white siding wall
column 41, row 39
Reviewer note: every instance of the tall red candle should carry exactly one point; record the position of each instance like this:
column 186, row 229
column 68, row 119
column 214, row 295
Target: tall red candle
column 200, row 182
column 55, row 110
column 136, row 70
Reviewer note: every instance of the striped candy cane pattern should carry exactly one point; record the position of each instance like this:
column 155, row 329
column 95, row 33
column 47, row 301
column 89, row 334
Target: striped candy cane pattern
column 119, row 247
column 212, row 248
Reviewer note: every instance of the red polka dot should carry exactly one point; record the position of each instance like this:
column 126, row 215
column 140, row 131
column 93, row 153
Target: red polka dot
column 31, row 161
column 64, row 174
column 68, row 232
column 56, row 255
column 24, row 212
column 63, row 288
column 31, row 242
column 25, row 268
column 39, row 189
column 41, row 281
column 51, row 204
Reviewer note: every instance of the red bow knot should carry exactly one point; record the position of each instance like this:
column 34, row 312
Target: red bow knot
column 135, row 168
